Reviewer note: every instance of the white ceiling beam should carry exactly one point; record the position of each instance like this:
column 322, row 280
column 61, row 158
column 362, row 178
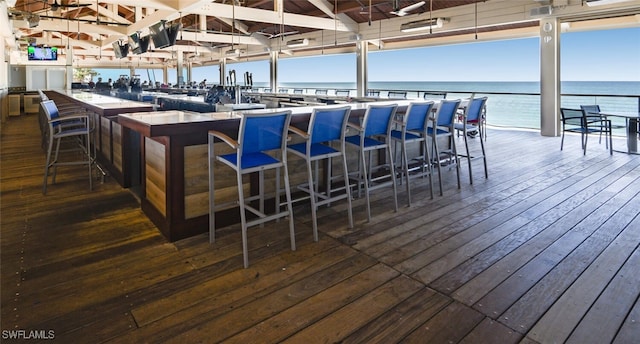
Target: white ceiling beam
column 112, row 15
column 327, row 7
column 64, row 25
column 170, row 5
column 219, row 38
column 90, row 45
column 173, row 5
column 237, row 25
column 268, row 16
column 202, row 22
column 188, row 6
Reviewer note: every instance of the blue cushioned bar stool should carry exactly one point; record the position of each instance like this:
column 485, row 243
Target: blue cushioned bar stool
column 373, row 135
column 327, row 126
column 261, row 146
column 413, row 129
column 443, row 127
column 472, row 122
column 75, row 127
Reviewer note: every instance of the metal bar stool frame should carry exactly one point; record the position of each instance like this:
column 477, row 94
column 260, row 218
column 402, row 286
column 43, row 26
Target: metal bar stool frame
column 473, row 120
column 442, row 125
column 326, row 125
column 71, row 126
column 413, row 129
column 374, row 134
column 261, row 146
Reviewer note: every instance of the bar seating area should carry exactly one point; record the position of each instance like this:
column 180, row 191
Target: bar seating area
column 301, row 208
column 481, row 257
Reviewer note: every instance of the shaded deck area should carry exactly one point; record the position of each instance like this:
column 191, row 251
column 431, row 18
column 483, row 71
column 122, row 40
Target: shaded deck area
column 544, row 250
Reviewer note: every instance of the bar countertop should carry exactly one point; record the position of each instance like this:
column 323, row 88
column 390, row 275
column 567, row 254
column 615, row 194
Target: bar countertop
column 106, row 105
column 172, row 122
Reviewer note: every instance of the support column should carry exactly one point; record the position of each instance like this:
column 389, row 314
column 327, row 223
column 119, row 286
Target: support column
column 179, row 65
column 273, row 71
column 165, row 74
column 69, row 68
column 549, row 77
column 223, row 72
column 189, row 72
column 362, row 51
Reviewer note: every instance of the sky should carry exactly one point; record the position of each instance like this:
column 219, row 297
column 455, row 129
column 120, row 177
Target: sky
column 607, row 55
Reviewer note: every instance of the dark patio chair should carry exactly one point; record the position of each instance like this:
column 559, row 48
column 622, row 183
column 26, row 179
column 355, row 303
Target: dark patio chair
column 579, row 121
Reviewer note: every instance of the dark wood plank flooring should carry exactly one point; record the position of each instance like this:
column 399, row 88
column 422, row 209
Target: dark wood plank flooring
column 544, row 250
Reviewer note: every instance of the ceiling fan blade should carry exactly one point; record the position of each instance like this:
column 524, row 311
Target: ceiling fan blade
column 404, row 11
column 286, row 33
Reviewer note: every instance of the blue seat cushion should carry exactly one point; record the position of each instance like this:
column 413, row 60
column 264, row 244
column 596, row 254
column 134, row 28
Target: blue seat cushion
column 316, row 149
column 368, row 142
column 397, row 134
column 438, row 132
column 250, row 160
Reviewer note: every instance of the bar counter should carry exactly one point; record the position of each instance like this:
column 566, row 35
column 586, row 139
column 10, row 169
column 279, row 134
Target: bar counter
column 174, row 155
column 116, row 146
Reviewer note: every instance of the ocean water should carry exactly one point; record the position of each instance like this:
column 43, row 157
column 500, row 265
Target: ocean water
column 519, row 108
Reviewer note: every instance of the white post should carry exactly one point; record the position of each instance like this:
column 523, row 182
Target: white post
column 273, row 71
column 362, row 51
column 549, row 77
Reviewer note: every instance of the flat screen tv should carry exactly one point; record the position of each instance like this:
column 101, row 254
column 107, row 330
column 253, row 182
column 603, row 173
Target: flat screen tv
column 172, row 32
column 164, row 35
column 144, row 44
column 134, row 43
column 35, row 53
column 120, row 50
column 124, row 49
column 159, row 35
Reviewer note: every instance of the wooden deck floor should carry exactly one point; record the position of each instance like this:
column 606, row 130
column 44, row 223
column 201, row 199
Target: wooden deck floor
column 545, row 250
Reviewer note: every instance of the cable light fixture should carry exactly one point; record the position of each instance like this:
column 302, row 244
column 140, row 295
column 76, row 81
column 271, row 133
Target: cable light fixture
column 425, row 24
column 476, row 19
column 592, row 3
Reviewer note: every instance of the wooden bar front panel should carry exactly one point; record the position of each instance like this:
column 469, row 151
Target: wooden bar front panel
column 156, row 175
column 117, row 147
column 196, row 180
column 105, row 138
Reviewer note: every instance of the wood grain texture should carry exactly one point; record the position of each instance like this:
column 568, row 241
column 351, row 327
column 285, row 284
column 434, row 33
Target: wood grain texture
column 105, row 138
column 545, row 250
column 116, row 142
column 156, row 176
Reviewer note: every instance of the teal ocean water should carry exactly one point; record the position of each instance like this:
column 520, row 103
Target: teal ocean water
column 520, row 108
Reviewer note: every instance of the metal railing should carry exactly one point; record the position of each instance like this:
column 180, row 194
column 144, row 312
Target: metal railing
column 508, row 109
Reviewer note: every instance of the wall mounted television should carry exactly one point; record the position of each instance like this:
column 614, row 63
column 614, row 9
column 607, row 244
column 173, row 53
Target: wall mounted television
column 144, row 44
column 35, row 53
column 120, row 50
column 159, row 35
column 164, row 35
column 134, row 43
column 173, row 32
column 138, row 44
